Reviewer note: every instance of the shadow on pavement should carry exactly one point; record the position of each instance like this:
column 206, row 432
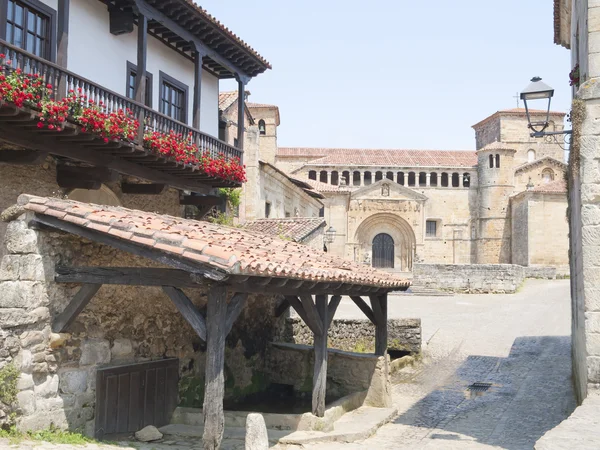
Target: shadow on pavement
column 530, row 393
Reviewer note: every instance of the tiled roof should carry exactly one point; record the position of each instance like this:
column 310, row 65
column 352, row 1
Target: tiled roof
column 517, row 111
column 297, row 229
column 260, row 105
column 496, row 146
column 383, row 158
column 538, row 162
column 324, row 187
column 232, row 251
column 553, row 187
column 226, row 99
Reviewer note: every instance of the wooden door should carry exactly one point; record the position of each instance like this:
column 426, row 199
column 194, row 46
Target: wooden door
column 130, row 397
column 383, row 251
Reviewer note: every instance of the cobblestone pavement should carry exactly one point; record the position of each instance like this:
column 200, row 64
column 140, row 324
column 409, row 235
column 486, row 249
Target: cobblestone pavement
column 519, row 343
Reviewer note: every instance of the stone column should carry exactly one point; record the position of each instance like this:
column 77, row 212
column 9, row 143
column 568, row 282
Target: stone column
column 428, row 179
column 362, row 178
column 405, row 184
column 461, row 180
column 329, row 177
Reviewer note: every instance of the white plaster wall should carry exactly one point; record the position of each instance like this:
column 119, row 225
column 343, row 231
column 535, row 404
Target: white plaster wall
column 101, row 57
column 51, row 3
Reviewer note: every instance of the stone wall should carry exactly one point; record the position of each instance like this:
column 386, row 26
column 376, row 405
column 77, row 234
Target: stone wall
column 121, row 325
column 356, row 335
column 347, row 373
column 474, row 278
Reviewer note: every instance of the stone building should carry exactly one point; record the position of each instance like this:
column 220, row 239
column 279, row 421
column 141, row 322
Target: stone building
column 503, row 203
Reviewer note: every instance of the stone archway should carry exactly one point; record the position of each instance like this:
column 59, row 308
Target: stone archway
column 400, row 232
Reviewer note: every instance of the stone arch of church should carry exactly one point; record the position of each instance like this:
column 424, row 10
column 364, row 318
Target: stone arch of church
column 397, row 228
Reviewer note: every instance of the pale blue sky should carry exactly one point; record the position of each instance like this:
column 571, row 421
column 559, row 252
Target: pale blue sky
column 395, row 73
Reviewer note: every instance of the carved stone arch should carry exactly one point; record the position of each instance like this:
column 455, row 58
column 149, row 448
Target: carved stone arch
column 396, row 227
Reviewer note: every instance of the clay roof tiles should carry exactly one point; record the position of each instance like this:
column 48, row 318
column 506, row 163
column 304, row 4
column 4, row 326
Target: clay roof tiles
column 226, row 99
column 297, row 228
column 382, row 157
column 553, row 187
column 232, row 251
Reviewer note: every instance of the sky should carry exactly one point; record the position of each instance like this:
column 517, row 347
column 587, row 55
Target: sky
column 394, row 73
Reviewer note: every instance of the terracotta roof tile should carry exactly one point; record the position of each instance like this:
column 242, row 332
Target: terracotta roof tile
column 552, row 187
column 382, row 157
column 234, row 251
column 297, row 229
column 226, row 99
column 517, row 111
column 324, row 187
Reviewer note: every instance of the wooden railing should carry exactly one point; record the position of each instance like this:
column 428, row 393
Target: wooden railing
column 63, row 81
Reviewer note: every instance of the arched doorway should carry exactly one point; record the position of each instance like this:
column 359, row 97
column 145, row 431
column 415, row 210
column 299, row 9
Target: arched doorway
column 383, row 251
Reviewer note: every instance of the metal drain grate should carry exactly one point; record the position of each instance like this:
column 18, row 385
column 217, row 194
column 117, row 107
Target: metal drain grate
column 479, row 387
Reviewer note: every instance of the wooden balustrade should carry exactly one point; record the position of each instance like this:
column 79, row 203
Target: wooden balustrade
column 64, row 81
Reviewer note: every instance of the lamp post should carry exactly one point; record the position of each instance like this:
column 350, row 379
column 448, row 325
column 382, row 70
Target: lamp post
column 328, row 237
column 537, row 90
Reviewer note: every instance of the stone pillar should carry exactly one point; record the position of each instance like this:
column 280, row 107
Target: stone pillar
column 428, row 179
column 329, row 177
column 461, row 180
column 362, row 178
column 405, row 184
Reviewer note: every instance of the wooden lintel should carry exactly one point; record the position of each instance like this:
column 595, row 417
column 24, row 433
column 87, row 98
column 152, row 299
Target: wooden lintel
column 22, row 157
column 234, row 309
column 131, row 276
column 311, row 314
column 364, row 308
column 143, row 188
column 130, row 247
column 281, row 307
column 188, row 310
column 201, row 200
column 332, row 307
column 70, row 313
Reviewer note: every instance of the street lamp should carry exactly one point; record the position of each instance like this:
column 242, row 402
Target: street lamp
column 538, row 90
column 329, row 236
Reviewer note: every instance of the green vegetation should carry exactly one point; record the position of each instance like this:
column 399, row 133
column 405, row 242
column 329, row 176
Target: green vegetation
column 233, row 196
column 52, row 435
column 8, row 384
column 191, row 391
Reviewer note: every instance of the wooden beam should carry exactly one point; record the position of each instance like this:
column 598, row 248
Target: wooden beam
column 364, row 308
column 74, row 177
column 234, row 309
column 311, row 314
column 143, row 188
column 241, row 114
column 142, row 58
column 214, row 384
column 130, row 247
column 22, row 157
column 62, row 34
column 201, row 200
column 379, row 304
column 297, row 305
column 332, row 307
column 129, row 276
column 75, row 306
column 187, row 309
column 281, row 307
column 197, row 88
column 320, row 367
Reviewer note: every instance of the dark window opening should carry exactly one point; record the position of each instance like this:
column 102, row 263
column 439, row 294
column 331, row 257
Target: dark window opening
column 323, row 176
column 431, row 228
column 131, row 80
column 312, row 175
column 400, row 178
column 262, row 128
column 267, row 209
column 455, row 180
column 444, row 179
column 173, row 98
column 390, row 176
column 378, row 176
column 335, row 178
column 411, row 178
column 30, row 26
column 345, row 178
column 433, row 181
column 368, row 179
column 497, row 161
column 356, row 178
column 422, row 179
column 491, row 161
column 466, row 180
column 322, row 212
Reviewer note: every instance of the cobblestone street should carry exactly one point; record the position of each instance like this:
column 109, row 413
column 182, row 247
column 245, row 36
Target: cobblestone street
column 518, row 343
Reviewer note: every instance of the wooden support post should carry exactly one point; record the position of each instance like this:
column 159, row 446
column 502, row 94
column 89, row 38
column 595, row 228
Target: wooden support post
column 197, row 88
column 364, row 308
column 70, row 313
column 379, row 305
column 332, row 308
column 188, row 310
column 214, row 385
column 320, row 369
column 241, row 113
column 234, row 309
column 312, row 314
column 140, row 76
column 62, row 44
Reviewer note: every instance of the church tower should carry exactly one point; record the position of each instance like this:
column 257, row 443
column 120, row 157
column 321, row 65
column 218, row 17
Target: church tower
column 266, row 117
column 496, row 184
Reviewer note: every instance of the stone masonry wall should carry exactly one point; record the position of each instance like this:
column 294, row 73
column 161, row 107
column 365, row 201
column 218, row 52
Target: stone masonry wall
column 474, row 278
column 356, row 335
column 121, row 325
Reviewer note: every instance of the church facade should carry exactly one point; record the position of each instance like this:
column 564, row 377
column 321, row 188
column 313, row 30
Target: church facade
column 503, row 203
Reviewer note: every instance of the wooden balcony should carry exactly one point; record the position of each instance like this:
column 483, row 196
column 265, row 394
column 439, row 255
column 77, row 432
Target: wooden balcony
column 18, row 126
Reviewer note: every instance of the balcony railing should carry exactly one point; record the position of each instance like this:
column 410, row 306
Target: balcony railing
column 63, row 81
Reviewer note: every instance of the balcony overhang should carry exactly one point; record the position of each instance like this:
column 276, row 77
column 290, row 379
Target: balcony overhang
column 185, row 27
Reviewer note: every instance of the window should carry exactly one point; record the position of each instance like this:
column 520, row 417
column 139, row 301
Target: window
column 335, row 178
column 131, row 78
column 491, row 161
column 547, row 175
column 431, row 228
column 323, row 176
column 267, row 210
column 466, row 180
column 497, row 161
column 287, row 214
column 173, row 98
column 530, row 155
column 444, row 179
column 411, row 178
column 434, row 179
column 422, row 178
column 30, row 26
column 455, row 180
column 312, row 175
column 356, row 178
column 262, row 128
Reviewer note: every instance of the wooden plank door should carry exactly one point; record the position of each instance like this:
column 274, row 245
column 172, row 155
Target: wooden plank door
column 130, row 397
